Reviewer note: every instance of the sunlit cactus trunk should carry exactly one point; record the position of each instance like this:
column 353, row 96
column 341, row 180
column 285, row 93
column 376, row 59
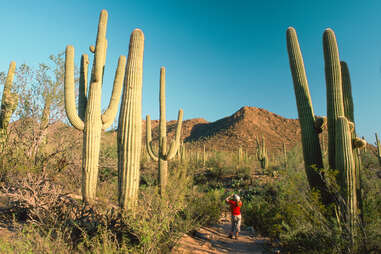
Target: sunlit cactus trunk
column 9, row 102
column 358, row 144
column 308, row 124
column 347, row 172
column 335, row 105
column 93, row 121
column 164, row 154
column 130, row 124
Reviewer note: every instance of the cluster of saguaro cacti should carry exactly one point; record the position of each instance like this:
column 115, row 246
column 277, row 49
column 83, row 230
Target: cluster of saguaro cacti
column 164, row 154
column 130, row 124
column 341, row 135
column 89, row 117
column 8, row 103
column 262, row 153
column 378, row 146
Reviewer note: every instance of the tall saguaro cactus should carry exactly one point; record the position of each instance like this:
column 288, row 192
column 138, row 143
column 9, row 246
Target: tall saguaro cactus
column 378, row 146
column 310, row 139
column 9, row 102
column 164, row 154
column 341, row 135
column 130, row 124
column 335, row 104
column 89, row 119
column 262, row 153
column 339, row 104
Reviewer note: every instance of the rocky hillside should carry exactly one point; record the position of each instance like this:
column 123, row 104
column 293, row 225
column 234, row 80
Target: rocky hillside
column 239, row 129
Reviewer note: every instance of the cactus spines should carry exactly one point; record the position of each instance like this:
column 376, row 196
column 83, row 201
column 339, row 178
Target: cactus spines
column 94, row 121
column 335, row 105
column 310, row 139
column 8, row 102
column 164, row 154
column 130, row 124
column 262, row 153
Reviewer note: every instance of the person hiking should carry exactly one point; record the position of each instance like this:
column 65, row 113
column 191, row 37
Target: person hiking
column 235, row 208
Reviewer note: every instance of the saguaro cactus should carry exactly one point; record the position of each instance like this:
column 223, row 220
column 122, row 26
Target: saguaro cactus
column 284, row 149
column 345, row 163
column 378, row 145
column 8, row 103
column 93, row 120
column 262, row 153
column 339, row 104
column 164, row 155
column 335, row 104
column 341, row 134
column 308, row 124
column 130, row 124
column 358, row 143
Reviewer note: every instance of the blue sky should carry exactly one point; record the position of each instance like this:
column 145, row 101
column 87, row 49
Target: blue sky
column 219, row 55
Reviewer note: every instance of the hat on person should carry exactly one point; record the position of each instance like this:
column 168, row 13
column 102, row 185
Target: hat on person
column 236, row 197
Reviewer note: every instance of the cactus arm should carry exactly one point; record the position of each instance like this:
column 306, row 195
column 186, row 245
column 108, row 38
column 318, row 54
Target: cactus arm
column 347, row 92
column 335, row 105
column 9, row 99
column 162, row 121
column 149, row 139
column 100, row 48
column 310, row 139
column 109, row 115
column 70, row 108
column 82, row 94
column 176, row 143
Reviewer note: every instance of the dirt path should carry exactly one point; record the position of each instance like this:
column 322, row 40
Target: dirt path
column 214, row 240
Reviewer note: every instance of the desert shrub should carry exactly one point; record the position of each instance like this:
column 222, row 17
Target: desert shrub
column 291, row 213
column 53, row 221
column 207, row 207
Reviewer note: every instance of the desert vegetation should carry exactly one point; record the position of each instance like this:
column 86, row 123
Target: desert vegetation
column 70, row 184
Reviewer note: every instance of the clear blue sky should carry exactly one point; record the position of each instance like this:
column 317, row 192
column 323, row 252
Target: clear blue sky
column 219, row 55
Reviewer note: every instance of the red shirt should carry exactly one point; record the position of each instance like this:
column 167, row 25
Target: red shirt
column 235, row 208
